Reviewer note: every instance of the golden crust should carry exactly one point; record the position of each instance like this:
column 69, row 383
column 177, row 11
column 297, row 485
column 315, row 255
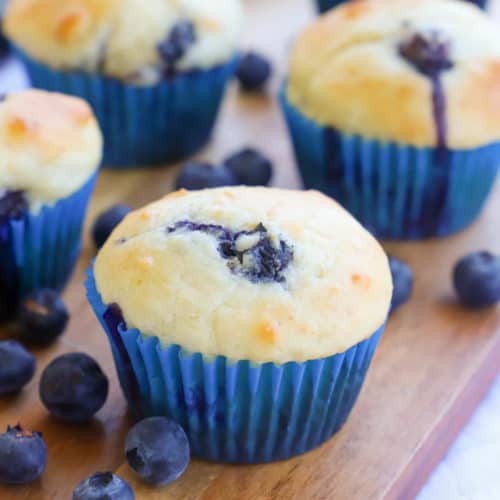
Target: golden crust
column 177, row 286
column 72, row 29
column 121, row 38
column 346, row 72
column 50, row 144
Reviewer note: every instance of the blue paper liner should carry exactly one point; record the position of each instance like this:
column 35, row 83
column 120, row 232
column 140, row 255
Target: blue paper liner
column 40, row 250
column 395, row 190
column 144, row 125
column 236, row 411
column 325, row 5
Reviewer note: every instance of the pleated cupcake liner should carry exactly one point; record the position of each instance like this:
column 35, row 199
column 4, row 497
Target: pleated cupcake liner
column 144, row 125
column 395, row 190
column 41, row 249
column 325, row 5
column 235, row 411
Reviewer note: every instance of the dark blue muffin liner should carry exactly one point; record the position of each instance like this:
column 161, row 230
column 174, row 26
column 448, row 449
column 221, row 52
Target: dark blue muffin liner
column 325, row 5
column 395, row 190
column 144, row 125
column 40, row 250
column 235, row 411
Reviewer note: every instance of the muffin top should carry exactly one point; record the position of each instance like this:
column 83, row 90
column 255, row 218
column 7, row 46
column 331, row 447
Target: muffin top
column 249, row 273
column 420, row 72
column 135, row 40
column 50, row 145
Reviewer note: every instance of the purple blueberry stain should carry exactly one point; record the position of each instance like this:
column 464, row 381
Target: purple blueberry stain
column 113, row 317
column 13, row 207
column 261, row 261
column 429, row 54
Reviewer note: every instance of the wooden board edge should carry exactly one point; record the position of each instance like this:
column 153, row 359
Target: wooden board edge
column 435, row 446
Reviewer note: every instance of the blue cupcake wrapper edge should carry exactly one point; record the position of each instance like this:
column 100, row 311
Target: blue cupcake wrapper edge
column 237, row 411
column 395, row 190
column 41, row 249
column 144, row 125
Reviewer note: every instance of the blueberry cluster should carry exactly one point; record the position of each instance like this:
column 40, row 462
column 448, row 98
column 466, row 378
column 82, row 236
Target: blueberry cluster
column 262, row 261
column 247, row 167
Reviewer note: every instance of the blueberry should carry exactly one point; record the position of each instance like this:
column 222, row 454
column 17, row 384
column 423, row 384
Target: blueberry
column 158, row 450
column 429, row 53
column 23, row 456
column 253, row 71
column 106, row 222
column 203, row 175
column 17, row 366
column 180, row 38
column 402, row 278
column 259, row 260
column 476, row 278
column 73, row 387
column 42, row 316
column 103, row 486
column 250, row 167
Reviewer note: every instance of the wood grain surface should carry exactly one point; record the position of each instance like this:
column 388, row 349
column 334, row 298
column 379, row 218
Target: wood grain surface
column 433, row 366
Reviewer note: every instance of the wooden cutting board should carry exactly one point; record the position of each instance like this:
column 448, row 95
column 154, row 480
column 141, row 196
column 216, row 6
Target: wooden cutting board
column 433, row 366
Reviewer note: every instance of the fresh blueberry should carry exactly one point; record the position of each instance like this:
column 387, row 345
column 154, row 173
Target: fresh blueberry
column 180, row 38
column 23, row 456
column 106, row 222
column 158, row 450
column 103, row 486
column 402, row 278
column 42, row 316
column 476, row 278
column 203, row 175
column 253, row 71
column 73, row 387
column 428, row 53
column 17, row 366
column 250, row 167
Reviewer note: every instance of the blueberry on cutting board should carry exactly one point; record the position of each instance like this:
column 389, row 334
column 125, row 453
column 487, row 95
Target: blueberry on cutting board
column 42, row 317
column 157, row 449
column 250, row 167
column 106, row 222
column 17, row 367
column 402, row 279
column 254, row 70
column 195, row 176
column 103, row 486
column 23, row 456
column 73, row 387
column 476, row 278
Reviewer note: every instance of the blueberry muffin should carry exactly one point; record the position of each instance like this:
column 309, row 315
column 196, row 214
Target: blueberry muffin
column 51, row 148
column 154, row 72
column 393, row 108
column 250, row 315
